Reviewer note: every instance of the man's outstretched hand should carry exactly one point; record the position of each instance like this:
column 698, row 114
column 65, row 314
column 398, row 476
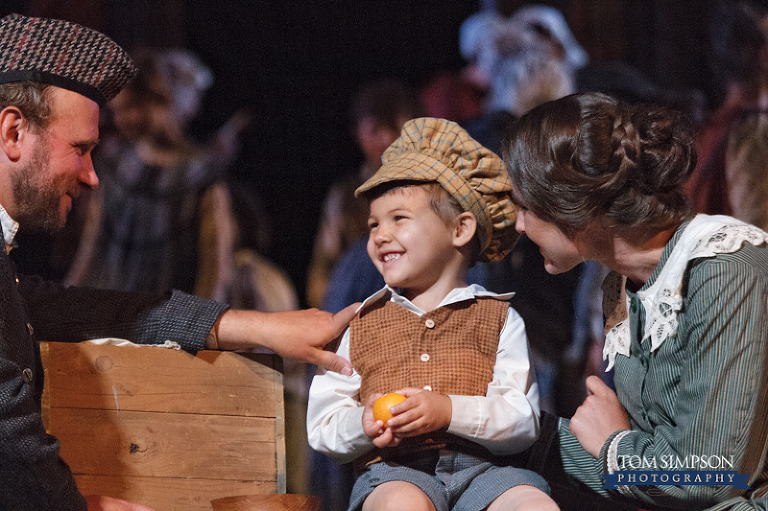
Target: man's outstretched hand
column 297, row 335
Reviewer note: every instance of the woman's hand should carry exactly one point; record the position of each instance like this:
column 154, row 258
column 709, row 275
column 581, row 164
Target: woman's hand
column 598, row 417
column 423, row 411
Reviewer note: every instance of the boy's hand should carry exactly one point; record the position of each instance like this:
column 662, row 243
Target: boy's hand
column 382, row 437
column 423, row 411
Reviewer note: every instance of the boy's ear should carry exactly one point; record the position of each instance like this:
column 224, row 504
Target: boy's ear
column 13, row 125
column 464, row 231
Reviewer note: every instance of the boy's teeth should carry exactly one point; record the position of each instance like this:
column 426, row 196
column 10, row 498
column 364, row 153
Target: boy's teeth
column 389, row 257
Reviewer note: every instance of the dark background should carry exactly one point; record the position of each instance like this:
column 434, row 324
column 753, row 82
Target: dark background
column 295, row 64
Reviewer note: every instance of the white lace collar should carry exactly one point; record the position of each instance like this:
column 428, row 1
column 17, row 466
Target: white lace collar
column 704, row 236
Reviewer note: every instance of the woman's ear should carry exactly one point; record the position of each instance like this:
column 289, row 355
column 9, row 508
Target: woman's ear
column 464, row 230
column 13, row 126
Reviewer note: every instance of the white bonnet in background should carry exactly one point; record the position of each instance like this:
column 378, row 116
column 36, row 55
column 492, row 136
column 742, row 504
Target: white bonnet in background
column 189, row 78
column 525, row 59
column 538, row 17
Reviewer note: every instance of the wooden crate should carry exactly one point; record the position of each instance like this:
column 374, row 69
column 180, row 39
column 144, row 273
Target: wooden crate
column 164, row 428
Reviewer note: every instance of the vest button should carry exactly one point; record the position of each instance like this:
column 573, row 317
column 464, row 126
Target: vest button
column 30, row 330
column 428, row 387
column 425, row 357
column 27, row 375
column 429, row 323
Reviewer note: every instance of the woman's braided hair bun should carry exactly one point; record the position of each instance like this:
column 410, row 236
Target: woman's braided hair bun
column 590, row 156
column 652, row 156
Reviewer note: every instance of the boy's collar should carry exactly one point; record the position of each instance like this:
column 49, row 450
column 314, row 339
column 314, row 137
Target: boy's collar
column 458, row 294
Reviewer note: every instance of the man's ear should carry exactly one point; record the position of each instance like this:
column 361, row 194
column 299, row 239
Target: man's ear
column 13, row 128
column 464, row 231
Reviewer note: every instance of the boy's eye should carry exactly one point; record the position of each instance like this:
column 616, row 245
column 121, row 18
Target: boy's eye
column 372, row 225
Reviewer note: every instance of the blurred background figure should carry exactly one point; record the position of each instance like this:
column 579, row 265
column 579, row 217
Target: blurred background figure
column 507, row 52
column 146, row 226
column 526, row 58
column 142, row 224
column 460, row 95
column 730, row 176
column 377, row 112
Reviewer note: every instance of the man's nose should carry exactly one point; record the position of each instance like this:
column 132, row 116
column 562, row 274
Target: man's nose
column 88, row 173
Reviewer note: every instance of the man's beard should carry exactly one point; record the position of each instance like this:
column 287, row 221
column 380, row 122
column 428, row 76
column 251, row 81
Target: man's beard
column 36, row 194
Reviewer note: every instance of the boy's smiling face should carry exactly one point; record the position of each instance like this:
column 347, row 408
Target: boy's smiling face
column 409, row 243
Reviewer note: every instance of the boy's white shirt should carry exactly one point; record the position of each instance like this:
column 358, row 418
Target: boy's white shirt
column 505, row 421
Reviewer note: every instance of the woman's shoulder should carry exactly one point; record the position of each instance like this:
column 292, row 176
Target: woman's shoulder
column 720, row 244
column 723, row 307
column 742, row 271
column 747, row 255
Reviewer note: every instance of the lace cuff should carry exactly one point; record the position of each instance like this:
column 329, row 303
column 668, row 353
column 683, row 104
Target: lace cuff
column 611, row 460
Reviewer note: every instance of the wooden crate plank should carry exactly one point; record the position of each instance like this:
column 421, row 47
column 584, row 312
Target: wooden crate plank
column 84, row 375
column 170, row 494
column 194, row 427
column 105, row 442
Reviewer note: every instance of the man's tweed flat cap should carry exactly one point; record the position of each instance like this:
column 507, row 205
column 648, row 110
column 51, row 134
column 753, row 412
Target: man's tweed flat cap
column 63, row 54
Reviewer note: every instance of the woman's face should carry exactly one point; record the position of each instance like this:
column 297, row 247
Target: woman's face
column 560, row 252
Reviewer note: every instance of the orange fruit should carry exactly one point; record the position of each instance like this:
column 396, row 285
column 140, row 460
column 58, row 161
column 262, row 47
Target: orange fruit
column 382, row 405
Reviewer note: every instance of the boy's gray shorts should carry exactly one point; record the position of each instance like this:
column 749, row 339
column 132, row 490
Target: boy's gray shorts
column 452, row 480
